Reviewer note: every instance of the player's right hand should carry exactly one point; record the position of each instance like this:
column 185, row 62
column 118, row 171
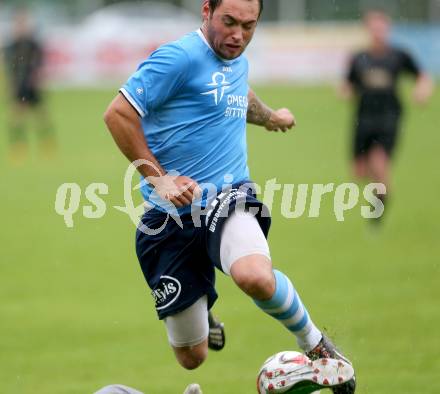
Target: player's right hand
column 179, row 190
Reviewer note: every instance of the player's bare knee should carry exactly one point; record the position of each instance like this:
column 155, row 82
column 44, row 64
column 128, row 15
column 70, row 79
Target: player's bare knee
column 254, row 276
column 191, row 358
column 190, row 363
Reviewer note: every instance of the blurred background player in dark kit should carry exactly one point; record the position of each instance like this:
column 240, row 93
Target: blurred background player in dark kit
column 24, row 62
column 372, row 79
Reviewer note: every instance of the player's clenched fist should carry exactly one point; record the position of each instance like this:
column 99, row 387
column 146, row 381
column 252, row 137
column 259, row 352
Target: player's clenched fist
column 280, row 120
column 179, row 190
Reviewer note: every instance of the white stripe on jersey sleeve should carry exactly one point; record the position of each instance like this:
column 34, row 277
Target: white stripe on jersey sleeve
column 132, row 102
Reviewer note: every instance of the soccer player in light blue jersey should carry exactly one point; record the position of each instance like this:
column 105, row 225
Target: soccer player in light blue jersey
column 184, row 114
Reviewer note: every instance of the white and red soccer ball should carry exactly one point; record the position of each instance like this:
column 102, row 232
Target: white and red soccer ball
column 274, row 366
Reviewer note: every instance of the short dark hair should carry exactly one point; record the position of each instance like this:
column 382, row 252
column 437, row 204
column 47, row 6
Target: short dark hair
column 213, row 4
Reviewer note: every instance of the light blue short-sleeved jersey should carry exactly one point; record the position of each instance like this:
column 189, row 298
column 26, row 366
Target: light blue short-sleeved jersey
column 193, row 106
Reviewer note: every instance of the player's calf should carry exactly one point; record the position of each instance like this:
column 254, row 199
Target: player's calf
column 286, row 306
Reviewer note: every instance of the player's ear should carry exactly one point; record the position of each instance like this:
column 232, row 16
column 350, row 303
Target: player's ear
column 205, row 10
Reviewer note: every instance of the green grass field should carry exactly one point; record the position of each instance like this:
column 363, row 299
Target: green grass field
column 75, row 313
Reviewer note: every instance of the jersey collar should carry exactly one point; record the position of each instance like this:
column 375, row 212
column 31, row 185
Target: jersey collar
column 203, row 38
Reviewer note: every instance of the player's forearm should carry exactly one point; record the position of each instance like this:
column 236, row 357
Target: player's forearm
column 129, row 137
column 258, row 113
column 346, row 91
column 426, row 81
column 424, row 88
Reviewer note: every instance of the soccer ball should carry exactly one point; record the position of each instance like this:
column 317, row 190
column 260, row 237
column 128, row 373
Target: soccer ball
column 274, row 366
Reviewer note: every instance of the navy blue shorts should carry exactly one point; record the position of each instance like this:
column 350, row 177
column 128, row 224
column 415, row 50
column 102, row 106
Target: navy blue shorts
column 382, row 132
column 179, row 263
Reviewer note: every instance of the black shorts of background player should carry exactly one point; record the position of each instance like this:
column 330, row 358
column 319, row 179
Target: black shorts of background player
column 24, row 61
column 372, row 79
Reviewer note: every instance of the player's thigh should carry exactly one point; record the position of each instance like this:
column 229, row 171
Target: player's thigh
column 189, row 327
column 389, row 138
column 174, row 264
column 360, row 165
column 362, row 139
column 242, row 240
column 188, row 334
